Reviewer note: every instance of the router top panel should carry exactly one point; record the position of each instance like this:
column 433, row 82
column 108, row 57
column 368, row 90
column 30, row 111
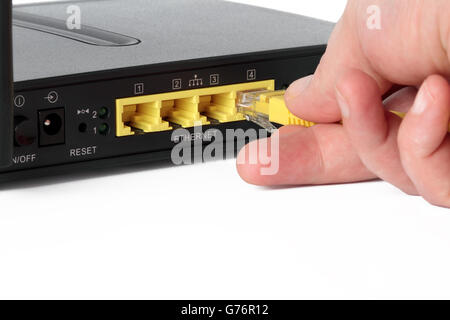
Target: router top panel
column 117, row 34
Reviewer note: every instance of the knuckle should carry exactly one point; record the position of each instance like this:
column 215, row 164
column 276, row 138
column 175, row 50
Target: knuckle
column 441, row 199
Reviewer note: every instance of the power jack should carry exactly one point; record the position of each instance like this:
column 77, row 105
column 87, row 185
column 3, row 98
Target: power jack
column 51, row 127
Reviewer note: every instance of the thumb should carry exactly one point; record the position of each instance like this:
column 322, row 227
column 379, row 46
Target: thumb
column 313, row 98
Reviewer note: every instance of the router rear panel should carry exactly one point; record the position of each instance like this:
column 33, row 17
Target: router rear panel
column 82, row 104
column 68, row 121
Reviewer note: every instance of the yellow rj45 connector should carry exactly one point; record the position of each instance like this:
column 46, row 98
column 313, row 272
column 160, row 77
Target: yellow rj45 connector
column 265, row 107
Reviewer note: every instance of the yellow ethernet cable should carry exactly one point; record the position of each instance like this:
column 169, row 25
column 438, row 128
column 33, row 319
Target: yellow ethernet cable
column 265, row 107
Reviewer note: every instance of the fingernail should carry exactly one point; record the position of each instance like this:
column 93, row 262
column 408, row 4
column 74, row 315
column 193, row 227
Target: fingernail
column 297, row 87
column 422, row 100
column 343, row 105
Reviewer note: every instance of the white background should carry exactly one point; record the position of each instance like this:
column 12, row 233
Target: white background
column 200, row 232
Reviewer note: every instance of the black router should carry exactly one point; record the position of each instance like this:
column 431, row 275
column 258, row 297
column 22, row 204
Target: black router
column 111, row 91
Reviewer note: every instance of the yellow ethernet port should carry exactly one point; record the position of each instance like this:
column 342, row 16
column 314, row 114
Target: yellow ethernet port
column 155, row 113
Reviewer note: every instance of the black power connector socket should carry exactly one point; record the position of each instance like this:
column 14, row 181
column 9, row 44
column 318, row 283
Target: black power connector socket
column 52, row 127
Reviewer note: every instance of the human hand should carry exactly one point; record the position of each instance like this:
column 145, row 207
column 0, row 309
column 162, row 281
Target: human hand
column 361, row 66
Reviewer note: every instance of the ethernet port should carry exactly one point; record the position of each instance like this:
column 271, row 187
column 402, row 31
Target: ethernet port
column 220, row 107
column 51, row 127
